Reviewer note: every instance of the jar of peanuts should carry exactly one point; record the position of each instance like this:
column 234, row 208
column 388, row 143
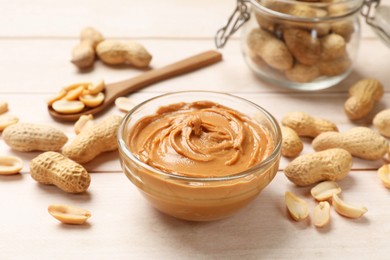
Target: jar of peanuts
column 305, row 44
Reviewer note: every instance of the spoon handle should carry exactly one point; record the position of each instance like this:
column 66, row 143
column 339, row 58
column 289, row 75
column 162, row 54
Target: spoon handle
column 175, row 69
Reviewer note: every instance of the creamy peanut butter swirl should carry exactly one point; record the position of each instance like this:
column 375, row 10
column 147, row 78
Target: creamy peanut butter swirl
column 200, row 139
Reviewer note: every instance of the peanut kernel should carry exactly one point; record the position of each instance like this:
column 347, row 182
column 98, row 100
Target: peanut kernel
column 297, row 207
column 68, row 107
column 10, row 165
column 325, row 190
column 124, row 104
column 347, row 210
column 321, row 215
column 69, row 214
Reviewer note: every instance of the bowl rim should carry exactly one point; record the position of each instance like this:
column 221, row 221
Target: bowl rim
column 122, row 146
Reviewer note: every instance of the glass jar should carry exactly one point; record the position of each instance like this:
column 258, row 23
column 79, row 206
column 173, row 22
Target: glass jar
column 306, row 45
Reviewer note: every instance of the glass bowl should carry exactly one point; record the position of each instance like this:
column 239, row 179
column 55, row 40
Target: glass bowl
column 199, row 198
column 302, row 45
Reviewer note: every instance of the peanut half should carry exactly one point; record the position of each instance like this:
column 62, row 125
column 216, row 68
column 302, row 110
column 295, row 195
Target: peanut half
column 347, row 210
column 325, row 190
column 10, row 165
column 69, row 214
column 95, row 88
column 297, row 207
column 92, row 100
column 124, row 104
column 3, row 107
column 321, row 214
column 7, row 120
column 68, row 107
column 384, row 175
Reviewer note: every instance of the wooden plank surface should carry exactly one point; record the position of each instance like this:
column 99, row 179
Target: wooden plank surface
column 36, row 38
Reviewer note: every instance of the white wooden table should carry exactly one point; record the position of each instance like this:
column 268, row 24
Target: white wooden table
column 36, row 38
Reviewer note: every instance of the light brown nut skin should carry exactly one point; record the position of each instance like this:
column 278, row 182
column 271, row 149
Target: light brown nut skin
column 83, row 55
column 272, row 50
column 68, row 214
column 265, row 22
column 302, row 45
column 382, row 122
column 333, row 164
column 94, row 140
column 92, row 36
column 334, row 67
column 83, row 123
column 55, row 169
column 363, row 96
column 333, row 47
column 344, row 28
column 25, row 137
column 292, row 145
column 361, row 142
column 300, row 10
column 307, row 125
column 302, row 73
column 115, row 52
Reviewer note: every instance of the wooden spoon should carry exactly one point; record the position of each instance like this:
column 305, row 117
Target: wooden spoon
column 123, row 88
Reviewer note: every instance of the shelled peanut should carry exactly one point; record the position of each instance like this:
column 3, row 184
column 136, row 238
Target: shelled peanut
column 301, row 51
column 324, row 193
column 74, row 98
column 10, row 165
column 69, row 214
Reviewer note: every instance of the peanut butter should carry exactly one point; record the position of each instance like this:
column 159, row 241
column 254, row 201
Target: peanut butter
column 200, row 139
column 202, row 147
